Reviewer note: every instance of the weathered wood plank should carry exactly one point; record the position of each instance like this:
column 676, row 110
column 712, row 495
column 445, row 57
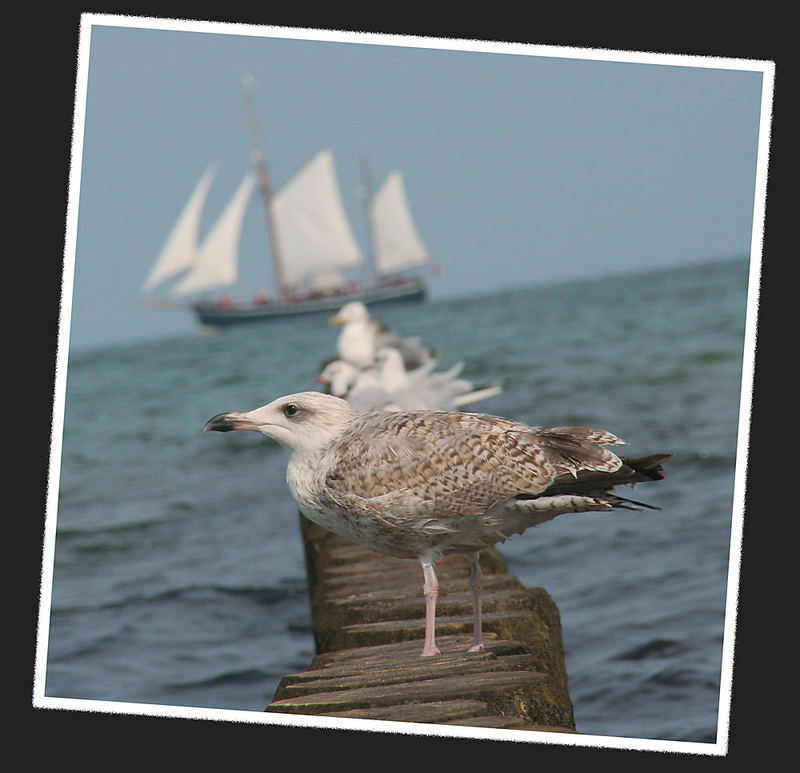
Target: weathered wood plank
column 442, row 712
column 323, row 680
column 368, row 620
column 508, row 691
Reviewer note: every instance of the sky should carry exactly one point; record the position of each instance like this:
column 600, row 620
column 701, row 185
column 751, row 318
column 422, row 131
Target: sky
column 523, row 165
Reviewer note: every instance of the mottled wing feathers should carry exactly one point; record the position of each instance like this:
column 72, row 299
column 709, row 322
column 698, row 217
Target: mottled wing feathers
column 452, row 464
column 576, row 448
column 592, row 483
column 597, row 436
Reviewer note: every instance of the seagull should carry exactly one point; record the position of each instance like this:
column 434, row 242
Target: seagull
column 389, row 387
column 395, row 375
column 423, row 484
column 424, row 389
column 341, row 376
column 362, row 335
column 361, row 388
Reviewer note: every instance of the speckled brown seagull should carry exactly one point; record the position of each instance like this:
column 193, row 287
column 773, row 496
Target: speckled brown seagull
column 421, row 484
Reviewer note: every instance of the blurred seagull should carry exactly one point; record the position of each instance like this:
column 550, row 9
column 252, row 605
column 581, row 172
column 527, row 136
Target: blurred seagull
column 422, row 388
column 362, row 335
column 389, row 387
column 361, row 388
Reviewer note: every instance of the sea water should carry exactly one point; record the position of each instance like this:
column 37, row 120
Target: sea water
column 179, row 575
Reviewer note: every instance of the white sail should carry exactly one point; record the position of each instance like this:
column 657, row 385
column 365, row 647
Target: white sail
column 217, row 262
column 180, row 249
column 327, row 280
column 396, row 242
column 312, row 231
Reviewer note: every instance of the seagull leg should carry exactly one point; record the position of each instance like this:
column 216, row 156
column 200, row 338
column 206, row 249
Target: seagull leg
column 476, row 588
column 431, row 590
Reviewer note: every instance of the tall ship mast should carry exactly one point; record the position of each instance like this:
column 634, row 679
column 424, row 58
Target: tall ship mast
column 260, row 163
column 311, row 243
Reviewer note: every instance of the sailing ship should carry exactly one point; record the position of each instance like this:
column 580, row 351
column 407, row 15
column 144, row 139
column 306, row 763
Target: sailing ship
column 312, row 244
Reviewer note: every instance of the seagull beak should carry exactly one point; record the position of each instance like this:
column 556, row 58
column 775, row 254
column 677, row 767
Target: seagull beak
column 225, row 422
column 335, row 320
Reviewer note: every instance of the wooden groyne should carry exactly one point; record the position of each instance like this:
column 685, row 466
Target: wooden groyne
column 368, row 620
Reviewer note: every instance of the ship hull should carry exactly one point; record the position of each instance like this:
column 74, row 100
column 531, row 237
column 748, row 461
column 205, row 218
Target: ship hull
column 220, row 314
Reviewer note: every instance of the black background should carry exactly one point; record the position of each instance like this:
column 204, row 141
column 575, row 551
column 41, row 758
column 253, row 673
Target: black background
column 41, row 56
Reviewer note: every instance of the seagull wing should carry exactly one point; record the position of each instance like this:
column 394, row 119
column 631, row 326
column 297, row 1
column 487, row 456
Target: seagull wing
column 453, row 464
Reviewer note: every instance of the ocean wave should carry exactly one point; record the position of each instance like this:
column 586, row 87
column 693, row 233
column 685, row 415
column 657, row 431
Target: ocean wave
column 236, row 677
column 675, row 675
column 655, row 648
column 263, row 596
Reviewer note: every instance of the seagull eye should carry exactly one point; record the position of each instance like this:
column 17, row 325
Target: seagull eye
column 290, row 409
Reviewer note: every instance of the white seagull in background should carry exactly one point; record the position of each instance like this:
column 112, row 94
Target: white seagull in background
column 388, row 386
column 361, row 388
column 362, row 335
column 422, row 484
column 422, row 388
column 341, row 376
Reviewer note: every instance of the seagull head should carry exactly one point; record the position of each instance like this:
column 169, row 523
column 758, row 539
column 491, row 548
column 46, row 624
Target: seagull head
column 354, row 311
column 303, row 422
column 340, row 377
